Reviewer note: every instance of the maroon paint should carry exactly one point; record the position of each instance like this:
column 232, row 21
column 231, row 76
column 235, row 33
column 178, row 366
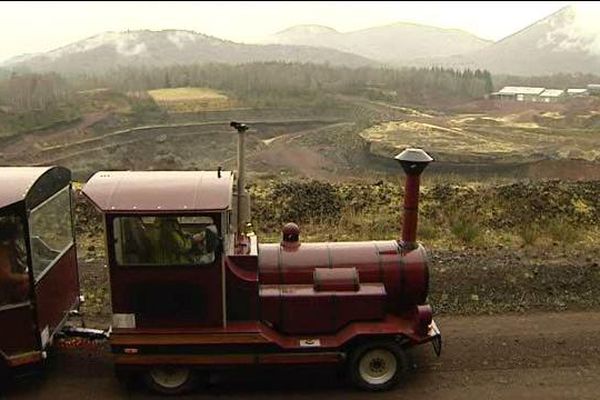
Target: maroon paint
column 411, row 209
column 17, row 332
column 404, row 273
column 57, row 292
column 206, row 279
column 336, row 280
column 298, row 309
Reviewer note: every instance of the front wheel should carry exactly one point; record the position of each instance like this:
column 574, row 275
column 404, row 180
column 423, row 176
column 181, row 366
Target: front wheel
column 377, row 366
column 170, row 380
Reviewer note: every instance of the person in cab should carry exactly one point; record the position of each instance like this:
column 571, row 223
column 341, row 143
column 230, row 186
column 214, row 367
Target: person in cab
column 14, row 280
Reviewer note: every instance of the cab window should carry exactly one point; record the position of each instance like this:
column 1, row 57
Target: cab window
column 165, row 240
column 51, row 231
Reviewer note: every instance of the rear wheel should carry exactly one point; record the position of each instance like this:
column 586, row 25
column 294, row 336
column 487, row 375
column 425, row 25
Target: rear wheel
column 169, row 379
column 4, row 374
column 377, row 366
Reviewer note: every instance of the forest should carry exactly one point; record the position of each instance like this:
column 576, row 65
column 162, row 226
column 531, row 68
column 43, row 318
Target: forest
column 260, row 84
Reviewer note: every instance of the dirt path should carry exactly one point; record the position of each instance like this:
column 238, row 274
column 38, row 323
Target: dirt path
column 35, row 141
column 530, row 356
column 81, row 146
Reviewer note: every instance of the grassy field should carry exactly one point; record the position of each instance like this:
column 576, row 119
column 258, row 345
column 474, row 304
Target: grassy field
column 511, row 133
column 190, row 99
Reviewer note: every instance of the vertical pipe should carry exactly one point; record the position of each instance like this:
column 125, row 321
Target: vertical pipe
column 413, row 162
column 411, row 209
column 241, row 183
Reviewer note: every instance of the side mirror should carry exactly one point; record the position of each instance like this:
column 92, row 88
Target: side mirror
column 219, row 246
column 214, row 243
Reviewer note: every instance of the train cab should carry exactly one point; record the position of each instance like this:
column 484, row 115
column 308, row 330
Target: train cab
column 39, row 280
column 164, row 243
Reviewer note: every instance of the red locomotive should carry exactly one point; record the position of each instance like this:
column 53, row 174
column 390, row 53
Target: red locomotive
column 192, row 291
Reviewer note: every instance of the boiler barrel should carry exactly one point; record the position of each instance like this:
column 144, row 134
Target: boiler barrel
column 404, row 274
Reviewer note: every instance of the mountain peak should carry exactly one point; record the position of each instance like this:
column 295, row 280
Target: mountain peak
column 307, row 29
column 566, row 41
column 108, row 50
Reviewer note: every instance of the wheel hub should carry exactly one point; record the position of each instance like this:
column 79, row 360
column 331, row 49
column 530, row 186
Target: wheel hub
column 170, row 377
column 378, row 366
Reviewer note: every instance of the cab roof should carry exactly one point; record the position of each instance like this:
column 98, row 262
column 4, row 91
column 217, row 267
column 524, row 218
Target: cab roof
column 160, row 191
column 31, row 185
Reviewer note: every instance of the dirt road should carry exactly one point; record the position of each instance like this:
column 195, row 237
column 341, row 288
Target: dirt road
column 541, row 356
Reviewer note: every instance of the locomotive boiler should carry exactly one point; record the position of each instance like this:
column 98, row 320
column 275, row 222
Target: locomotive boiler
column 192, row 291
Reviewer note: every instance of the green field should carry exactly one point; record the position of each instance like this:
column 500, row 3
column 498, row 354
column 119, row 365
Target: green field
column 190, row 99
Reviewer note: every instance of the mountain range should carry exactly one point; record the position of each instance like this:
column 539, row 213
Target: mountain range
column 397, row 43
column 567, row 41
column 168, row 47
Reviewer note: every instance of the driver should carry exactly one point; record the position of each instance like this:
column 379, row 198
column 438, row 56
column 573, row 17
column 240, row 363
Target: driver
column 173, row 245
column 14, row 280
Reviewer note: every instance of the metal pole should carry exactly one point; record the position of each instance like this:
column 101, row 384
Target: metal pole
column 241, row 183
column 241, row 179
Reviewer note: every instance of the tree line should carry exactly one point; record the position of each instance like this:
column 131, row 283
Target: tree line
column 34, row 92
column 264, row 83
column 280, row 79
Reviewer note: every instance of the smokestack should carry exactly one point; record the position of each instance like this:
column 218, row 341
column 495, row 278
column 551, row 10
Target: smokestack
column 413, row 162
column 241, row 180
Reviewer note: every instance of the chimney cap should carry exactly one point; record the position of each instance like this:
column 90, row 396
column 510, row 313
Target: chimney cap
column 413, row 161
column 413, row 155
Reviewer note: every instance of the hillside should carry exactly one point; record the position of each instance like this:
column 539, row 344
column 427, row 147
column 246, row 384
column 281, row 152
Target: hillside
column 395, row 43
column 567, row 41
column 169, row 47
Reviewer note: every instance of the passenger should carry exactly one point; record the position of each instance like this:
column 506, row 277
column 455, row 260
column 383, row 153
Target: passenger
column 137, row 246
column 14, row 280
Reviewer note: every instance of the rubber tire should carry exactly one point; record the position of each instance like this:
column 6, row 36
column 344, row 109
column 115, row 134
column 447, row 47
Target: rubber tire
column 402, row 365
column 4, row 376
column 185, row 387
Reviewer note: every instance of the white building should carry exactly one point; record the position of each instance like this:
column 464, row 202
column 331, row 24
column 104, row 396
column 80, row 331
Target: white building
column 593, row 88
column 577, row 92
column 519, row 93
column 551, row 95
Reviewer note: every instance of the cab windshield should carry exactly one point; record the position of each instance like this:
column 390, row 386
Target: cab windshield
column 165, row 240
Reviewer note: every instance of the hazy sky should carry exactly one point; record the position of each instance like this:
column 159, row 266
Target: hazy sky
column 28, row 27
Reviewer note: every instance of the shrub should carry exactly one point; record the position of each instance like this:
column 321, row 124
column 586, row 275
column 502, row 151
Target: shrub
column 465, row 229
column 562, row 230
column 529, row 233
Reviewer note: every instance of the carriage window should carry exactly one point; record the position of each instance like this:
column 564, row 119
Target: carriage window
column 51, row 231
column 189, row 240
column 14, row 278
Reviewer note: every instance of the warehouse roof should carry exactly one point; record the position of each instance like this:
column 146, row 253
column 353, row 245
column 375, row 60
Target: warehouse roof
column 552, row 93
column 521, row 90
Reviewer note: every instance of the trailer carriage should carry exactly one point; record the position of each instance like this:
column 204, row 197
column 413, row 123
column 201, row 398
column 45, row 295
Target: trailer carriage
column 39, row 281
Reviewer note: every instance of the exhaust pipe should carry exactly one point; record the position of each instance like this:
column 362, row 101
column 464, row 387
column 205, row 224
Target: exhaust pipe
column 241, row 179
column 413, row 162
